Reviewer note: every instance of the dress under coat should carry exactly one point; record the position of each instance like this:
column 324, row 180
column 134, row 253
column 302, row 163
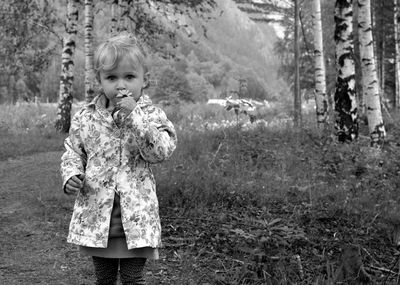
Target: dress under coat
column 117, row 160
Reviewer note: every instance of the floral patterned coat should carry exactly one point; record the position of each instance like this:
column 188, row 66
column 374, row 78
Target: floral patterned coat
column 116, row 160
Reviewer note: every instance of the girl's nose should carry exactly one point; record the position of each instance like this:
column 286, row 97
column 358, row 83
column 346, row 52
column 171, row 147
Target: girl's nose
column 121, row 85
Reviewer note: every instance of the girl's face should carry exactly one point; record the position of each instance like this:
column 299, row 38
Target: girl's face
column 126, row 75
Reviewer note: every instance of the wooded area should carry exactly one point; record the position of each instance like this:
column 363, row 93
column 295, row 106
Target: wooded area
column 299, row 173
column 32, row 38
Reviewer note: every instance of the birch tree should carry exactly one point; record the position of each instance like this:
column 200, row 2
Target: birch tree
column 89, row 52
column 346, row 114
column 396, row 22
column 63, row 121
column 320, row 72
column 382, row 46
column 369, row 74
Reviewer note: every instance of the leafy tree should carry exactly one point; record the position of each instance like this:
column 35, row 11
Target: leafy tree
column 200, row 88
column 255, row 90
column 172, row 87
column 26, row 40
column 153, row 21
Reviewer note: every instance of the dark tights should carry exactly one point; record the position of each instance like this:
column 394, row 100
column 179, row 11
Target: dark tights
column 130, row 270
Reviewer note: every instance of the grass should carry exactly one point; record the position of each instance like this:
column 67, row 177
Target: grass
column 15, row 145
column 231, row 199
column 28, row 128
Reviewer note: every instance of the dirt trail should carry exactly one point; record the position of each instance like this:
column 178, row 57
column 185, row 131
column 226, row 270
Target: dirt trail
column 23, row 176
column 33, row 219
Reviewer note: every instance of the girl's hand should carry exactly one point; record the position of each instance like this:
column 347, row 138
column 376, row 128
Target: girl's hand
column 127, row 104
column 74, row 184
column 126, row 101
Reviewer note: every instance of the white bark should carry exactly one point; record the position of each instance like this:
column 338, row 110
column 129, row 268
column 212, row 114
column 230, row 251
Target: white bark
column 369, row 74
column 63, row 121
column 320, row 72
column 345, row 94
column 89, row 52
column 397, row 51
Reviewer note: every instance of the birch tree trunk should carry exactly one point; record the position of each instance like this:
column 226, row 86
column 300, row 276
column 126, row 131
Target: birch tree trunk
column 320, row 72
column 89, row 52
column 375, row 33
column 369, row 74
column 63, row 121
column 345, row 94
column 297, row 96
column 396, row 102
column 114, row 20
column 359, row 87
column 382, row 46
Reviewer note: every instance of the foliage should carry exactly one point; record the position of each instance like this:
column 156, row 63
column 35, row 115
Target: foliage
column 212, row 54
column 201, row 89
column 27, row 128
column 172, row 87
column 26, row 40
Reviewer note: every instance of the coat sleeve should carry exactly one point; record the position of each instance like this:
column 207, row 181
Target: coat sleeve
column 155, row 134
column 73, row 161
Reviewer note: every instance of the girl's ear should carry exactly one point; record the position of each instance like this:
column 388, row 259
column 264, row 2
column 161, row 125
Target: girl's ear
column 146, row 80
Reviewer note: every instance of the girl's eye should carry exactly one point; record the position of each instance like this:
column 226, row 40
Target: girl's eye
column 110, row 77
column 130, row 76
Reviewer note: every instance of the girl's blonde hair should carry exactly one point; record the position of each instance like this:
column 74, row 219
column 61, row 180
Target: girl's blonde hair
column 112, row 51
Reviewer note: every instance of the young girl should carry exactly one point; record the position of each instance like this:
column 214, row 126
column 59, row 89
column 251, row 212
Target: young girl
column 111, row 144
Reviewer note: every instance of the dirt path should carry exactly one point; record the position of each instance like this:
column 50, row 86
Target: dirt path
column 34, row 218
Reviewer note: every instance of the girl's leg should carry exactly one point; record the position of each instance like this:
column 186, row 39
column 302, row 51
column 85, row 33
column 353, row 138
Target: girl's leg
column 106, row 270
column 131, row 271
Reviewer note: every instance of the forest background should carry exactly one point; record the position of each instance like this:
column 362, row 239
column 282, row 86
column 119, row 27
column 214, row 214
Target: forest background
column 204, row 58
column 241, row 202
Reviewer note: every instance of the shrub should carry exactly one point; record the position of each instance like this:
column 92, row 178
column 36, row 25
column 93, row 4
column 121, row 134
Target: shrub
column 172, row 87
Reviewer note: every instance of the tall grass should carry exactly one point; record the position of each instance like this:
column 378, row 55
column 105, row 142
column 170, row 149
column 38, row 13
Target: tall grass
column 28, row 128
column 230, row 165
